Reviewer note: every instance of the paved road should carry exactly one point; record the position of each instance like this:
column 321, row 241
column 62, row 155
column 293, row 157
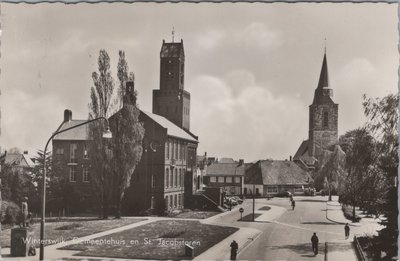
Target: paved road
column 288, row 237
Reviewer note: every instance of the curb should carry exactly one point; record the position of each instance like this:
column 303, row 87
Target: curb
column 334, row 221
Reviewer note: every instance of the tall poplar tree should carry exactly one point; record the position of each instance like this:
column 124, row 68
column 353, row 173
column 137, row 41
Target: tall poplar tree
column 100, row 152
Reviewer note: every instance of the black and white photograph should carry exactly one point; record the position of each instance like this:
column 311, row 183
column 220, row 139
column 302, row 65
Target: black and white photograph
column 199, row 131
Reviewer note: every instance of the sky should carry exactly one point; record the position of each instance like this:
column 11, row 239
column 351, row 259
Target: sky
column 251, row 68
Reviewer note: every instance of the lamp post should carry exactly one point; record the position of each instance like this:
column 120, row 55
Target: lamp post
column 254, row 188
column 107, row 135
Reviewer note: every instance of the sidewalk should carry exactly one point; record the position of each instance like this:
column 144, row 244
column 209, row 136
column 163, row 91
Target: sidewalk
column 342, row 249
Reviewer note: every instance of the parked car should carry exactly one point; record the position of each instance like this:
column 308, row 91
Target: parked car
column 283, row 194
column 238, row 200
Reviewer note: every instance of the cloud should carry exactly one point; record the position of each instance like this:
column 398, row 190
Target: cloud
column 245, row 124
column 210, row 39
column 356, row 77
column 258, row 35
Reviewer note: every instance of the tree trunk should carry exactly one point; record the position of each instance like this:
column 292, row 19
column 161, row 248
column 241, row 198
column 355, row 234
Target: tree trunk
column 118, row 208
column 354, row 212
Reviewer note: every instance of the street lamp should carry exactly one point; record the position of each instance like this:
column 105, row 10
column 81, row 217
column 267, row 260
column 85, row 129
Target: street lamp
column 106, row 134
column 254, row 188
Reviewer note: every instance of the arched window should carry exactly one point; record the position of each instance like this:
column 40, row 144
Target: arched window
column 325, row 119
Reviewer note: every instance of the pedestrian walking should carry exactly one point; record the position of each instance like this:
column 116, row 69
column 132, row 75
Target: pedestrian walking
column 234, row 248
column 314, row 242
column 346, row 231
column 293, row 204
column 291, row 197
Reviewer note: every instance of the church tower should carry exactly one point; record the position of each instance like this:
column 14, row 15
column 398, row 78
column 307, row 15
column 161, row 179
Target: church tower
column 323, row 125
column 171, row 100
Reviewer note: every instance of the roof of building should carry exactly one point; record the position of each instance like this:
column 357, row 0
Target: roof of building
column 277, row 172
column 303, row 149
column 79, row 133
column 323, row 83
column 172, row 49
column 172, row 129
column 324, row 76
column 18, row 159
column 226, row 160
column 225, row 169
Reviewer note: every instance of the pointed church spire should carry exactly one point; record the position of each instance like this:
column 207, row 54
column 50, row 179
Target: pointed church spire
column 324, row 77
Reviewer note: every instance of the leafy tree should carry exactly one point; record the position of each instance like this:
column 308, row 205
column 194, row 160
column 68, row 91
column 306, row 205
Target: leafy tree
column 127, row 132
column 333, row 170
column 360, row 157
column 382, row 119
column 100, row 106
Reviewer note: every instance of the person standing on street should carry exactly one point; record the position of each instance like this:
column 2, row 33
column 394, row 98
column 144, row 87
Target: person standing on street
column 234, row 248
column 293, row 204
column 346, row 231
column 314, row 242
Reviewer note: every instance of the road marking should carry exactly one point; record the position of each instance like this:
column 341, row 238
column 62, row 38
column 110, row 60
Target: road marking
column 303, row 228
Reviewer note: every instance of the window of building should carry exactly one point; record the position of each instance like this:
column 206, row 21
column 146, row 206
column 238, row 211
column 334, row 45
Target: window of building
column 166, row 150
column 272, row 189
column 237, row 179
column 180, row 199
column 175, row 173
column 170, row 150
column 60, row 151
column 170, row 178
column 326, row 119
column 245, row 191
column 220, row 179
column 176, row 200
column 86, row 176
column 178, row 180
column 179, row 151
column 85, row 152
column 176, row 150
column 213, row 179
column 167, row 178
column 228, row 179
column 73, row 151
column 170, row 201
column 182, row 178
column 72, row 173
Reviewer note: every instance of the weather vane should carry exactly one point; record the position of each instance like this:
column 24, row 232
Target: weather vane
column 325, row 45
column 173, row 33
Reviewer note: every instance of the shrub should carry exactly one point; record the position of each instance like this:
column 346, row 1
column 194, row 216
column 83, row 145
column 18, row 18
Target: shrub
column 348, row 213
column 10, row 213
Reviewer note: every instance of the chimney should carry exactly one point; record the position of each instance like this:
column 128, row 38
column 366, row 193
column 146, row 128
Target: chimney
column 129, row 97
column 67, row 115
column 205, row 154
column 241, row 162
column 290, row 157
column 25, row 152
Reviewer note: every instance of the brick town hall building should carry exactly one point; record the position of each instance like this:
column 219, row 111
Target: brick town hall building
column 163, row 179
